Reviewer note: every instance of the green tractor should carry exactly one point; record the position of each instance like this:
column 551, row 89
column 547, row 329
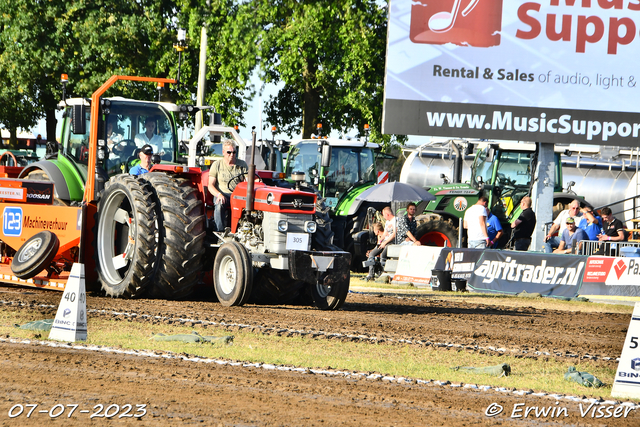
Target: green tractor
column 503, row 172
column 339, row 170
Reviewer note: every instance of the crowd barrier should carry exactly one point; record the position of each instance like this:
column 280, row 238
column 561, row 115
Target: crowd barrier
column 512, row 272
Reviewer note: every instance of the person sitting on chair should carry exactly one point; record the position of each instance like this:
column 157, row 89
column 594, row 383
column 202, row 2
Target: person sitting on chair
column 149, row 137
column 145, row 161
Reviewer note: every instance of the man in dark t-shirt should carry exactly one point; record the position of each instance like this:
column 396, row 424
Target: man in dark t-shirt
column 524, row 225
column 612, row 228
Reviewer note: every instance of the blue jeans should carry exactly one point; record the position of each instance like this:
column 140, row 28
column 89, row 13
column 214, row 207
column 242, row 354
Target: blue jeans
column 522, row 244
column 477, row 244
column 551, row 244
column 221, row 213
column 383, row 257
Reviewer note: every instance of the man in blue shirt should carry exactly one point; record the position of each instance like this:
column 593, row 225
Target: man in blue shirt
column 590, row 223
column 145, row 161
column 494, row 229
column 571, row 237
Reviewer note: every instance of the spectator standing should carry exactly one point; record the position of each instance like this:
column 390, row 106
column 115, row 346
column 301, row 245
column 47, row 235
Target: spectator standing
column 407, row 227
column 494, row 229
column 612, row 228
column 524, row 226
column 551, row 242
column 571, row 237
column 590, row 223
column 475, row 221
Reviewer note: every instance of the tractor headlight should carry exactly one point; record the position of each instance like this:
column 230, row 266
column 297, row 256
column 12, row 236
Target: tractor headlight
column 310, row 227
column 283, row 225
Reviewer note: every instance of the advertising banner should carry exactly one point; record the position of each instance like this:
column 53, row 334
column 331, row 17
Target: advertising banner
column 549, row 70
column 461, row 262
column 415, row 264
column 514, row 272
column 611, row 276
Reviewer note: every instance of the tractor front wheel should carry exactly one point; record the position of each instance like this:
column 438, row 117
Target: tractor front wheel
column 232, row 274
column 330, row 296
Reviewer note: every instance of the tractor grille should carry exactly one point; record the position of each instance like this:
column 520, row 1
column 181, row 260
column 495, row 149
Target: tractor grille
column 298, row 202
column 276, row 241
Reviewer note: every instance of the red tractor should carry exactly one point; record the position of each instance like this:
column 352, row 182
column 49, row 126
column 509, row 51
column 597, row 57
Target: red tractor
column 149, row 235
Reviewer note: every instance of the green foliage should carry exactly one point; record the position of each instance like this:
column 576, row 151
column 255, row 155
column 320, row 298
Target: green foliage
column 326, row 57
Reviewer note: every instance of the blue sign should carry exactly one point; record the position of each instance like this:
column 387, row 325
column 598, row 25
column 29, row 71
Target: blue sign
column 12, row 221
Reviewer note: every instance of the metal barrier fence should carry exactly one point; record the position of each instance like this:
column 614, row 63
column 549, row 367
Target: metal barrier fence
column 606, row 248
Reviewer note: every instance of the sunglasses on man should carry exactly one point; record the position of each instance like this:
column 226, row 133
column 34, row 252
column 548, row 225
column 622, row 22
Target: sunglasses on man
column 231, row 152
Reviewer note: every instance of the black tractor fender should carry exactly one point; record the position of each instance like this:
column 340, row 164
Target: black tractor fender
column 61, row 189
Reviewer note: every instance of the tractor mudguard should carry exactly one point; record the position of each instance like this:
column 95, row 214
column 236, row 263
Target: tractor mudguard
column 333, row 266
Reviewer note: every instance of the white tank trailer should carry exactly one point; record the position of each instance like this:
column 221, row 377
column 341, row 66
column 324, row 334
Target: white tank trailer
column 600, row 181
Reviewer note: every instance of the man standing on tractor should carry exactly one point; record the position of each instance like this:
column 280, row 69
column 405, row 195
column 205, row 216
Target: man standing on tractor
column 224, row 175
column 145, row 161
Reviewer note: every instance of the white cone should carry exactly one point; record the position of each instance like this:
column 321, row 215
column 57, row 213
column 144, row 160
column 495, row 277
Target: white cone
column 70, row 323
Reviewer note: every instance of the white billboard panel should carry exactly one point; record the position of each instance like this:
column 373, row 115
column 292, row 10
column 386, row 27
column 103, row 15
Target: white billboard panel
column 549, row 71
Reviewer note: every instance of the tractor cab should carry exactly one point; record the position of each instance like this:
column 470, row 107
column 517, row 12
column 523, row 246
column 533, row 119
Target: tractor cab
column 504, row 171
column 351, row 164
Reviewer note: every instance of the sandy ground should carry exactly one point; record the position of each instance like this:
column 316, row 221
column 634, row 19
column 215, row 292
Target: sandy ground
column 177, row 392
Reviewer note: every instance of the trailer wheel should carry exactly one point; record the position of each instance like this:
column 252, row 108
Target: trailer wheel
column 232, row 274
column 125, row 237
column 330, row 297
column 35, row 255
column 436, row 232
column 181, row 233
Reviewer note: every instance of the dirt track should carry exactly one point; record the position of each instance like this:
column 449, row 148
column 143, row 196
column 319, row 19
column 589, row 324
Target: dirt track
column 182, row 392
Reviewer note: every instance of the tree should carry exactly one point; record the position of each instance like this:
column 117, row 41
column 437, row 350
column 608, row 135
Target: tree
column 328, row 56
column 89, row 41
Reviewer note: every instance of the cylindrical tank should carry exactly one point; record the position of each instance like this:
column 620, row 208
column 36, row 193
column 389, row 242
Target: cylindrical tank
column 424, row 168
column 599, row 182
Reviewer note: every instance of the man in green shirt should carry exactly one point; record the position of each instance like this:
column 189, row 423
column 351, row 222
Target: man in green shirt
column 224, row 175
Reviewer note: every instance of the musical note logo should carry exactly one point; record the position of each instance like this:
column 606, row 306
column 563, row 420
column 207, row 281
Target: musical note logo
column 461, row 22
column 442, row 22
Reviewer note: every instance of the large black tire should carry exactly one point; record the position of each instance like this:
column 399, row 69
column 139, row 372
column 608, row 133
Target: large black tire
column 181, row 233
column 330, row 297
column 435, row 231
column 125, row 237
column 322, row 239
column 233, row 274
column 35, row 255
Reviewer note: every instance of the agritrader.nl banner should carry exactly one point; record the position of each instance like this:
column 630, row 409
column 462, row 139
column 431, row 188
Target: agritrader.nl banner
column 550, row 71
column 513, row 272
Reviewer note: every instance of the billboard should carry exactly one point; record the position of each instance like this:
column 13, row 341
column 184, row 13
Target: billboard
column 558, row 71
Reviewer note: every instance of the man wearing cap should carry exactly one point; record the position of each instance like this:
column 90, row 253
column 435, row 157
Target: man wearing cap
column 145, row 161
column 149, row 137
column 571, row 236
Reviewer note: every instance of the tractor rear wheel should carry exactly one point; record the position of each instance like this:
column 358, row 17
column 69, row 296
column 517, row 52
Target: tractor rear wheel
column 181, row 233
column 232, row 274
column 436, row 232
column 125, row 237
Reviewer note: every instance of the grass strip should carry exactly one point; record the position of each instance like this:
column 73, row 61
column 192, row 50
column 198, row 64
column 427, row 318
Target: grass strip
column 399, row 360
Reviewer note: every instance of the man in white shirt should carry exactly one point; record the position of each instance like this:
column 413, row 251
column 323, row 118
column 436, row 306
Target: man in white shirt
column 475, row 221
column 149, row 136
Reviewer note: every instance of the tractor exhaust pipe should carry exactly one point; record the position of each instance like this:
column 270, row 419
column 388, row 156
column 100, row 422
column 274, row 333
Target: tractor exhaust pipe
column 252, row 172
